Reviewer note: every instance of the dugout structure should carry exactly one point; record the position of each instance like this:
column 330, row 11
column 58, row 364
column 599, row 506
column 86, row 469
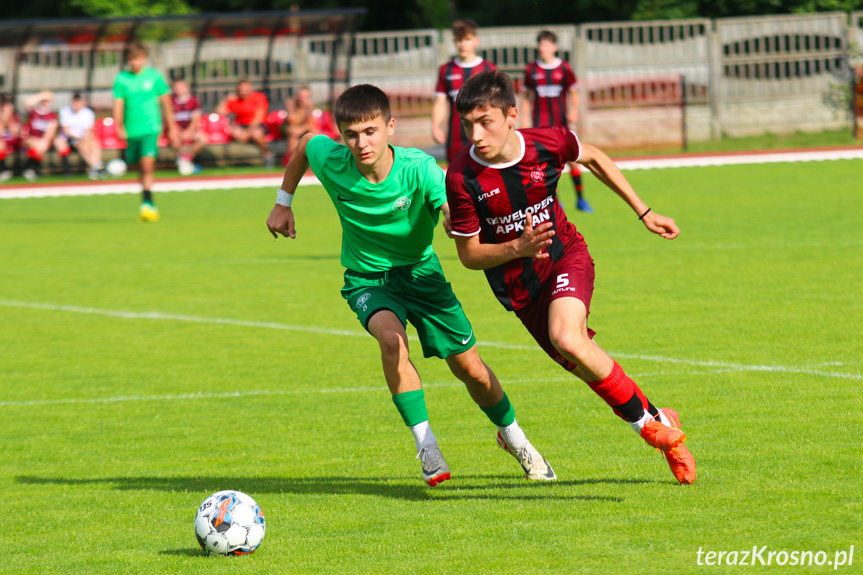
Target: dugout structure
column 277, row 51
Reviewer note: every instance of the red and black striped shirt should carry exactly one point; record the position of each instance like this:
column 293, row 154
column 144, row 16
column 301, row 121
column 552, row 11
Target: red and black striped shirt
column 492, row 200
column 451, row 77
column 549, row 85
column 184, row 110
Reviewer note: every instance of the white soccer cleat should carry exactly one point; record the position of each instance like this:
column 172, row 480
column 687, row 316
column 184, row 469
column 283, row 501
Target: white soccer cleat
column 435, row 469
column 535, row 465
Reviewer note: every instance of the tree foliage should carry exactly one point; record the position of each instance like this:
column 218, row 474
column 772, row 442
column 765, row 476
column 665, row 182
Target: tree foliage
column 411, row 14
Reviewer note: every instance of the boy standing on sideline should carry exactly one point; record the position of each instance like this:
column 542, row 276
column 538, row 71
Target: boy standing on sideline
column 551, row 94
column 138, row 94
column 389, row 200
column 507, row 221
column 451, row 76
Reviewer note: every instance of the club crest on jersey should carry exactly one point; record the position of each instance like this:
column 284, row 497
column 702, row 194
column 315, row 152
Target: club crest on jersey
column 537, row 174
column 401, row 204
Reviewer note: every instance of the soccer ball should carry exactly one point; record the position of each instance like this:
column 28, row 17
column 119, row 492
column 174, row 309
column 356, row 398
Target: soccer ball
column 116, row 167
column 229, row 523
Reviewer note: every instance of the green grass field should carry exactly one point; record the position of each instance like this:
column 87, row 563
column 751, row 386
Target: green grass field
column 143, row 367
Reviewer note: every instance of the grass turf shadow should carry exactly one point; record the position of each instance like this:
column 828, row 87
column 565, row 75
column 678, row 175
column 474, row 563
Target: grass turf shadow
column 463, row 487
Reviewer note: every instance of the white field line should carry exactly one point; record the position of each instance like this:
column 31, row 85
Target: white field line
column 269, row 392
column 720, row 365
column 188, row 185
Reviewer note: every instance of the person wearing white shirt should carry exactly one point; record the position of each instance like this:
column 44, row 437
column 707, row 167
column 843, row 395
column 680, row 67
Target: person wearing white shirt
column 76, row 135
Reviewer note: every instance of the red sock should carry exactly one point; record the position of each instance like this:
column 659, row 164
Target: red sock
column 66, row 152
column 621, row 394
column 34, row 155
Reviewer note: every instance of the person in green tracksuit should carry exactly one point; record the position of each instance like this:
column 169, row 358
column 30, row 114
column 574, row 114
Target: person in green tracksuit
column 389, row 200
column 139, row 92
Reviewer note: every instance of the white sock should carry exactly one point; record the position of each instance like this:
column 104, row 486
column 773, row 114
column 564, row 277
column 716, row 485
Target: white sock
column 637, row 425
column 513, row 435
column 423, row 435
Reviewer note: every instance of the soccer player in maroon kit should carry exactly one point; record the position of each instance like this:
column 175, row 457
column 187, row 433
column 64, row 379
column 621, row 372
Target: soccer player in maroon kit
column 10, row 134
column 507, row 221
column 548, row 82
column 42, row 124
column 450, row 78
column 188, row 140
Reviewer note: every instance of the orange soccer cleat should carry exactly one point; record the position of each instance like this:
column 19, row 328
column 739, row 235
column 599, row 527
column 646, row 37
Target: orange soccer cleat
column 682, row 464
column 661, row 436
column 669, row 439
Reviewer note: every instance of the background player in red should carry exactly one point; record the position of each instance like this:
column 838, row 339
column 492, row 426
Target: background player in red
column 41, row 128
column 10, row 134
column 188, row 141
column 451, row 76
column 250, row 111
column 502, row 187
column 551, row 99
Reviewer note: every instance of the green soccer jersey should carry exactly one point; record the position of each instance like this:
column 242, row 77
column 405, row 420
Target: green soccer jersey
column 140, row 94
column 387, row 224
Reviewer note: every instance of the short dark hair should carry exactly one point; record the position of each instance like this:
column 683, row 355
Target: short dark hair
column 463, row 27
column 546, row 35
column 362, row 103
column 77, row 96
column 136, row 49
column 492, row 88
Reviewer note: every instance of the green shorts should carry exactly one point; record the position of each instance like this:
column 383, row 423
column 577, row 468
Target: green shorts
column 418, row 294
column 146, row 146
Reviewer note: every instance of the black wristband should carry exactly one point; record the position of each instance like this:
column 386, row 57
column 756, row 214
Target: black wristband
column 641, row 217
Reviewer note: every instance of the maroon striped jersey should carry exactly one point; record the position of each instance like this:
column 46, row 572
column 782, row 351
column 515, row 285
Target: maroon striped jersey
column 39, row 121
column 451, row 77
column 492, row 200
column 184, row 109
column 549, row 85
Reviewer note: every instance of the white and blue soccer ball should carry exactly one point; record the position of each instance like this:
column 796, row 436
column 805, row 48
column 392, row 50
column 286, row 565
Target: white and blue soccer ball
column 229, row 523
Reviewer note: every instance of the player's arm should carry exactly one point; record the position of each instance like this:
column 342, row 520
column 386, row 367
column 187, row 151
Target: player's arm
column 119, row 119
column 525, row 109
column 281, row 218
column 440, row 114
column 609, row 174
column 168, row 110
column 572, row 113
column 31, row 102
column 475, row 255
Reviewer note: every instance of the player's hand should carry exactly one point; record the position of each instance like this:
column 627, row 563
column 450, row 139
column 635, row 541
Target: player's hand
column 121, row 132
column 447, row 224
column 534, row 240
column 662, row 226
column 438, row 135
column 281, row 220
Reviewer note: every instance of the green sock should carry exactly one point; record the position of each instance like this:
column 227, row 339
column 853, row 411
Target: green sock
column 412, row 407
column 501, row 413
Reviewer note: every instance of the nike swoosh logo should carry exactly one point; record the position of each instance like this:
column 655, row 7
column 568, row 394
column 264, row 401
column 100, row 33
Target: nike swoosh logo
column 467, row 339
column 341, row 199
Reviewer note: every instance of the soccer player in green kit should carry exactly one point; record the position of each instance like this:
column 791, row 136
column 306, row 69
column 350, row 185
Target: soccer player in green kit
column 389, row 200
column 138, row 93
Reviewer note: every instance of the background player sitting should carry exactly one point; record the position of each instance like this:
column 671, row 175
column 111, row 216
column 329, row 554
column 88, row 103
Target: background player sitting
column 10, row 134
column 76, row 135
column 188, row 141
column 250, row 110
column 301, row 116
column 40, row 129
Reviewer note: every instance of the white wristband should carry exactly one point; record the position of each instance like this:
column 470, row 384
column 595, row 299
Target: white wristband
column 283, row 198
